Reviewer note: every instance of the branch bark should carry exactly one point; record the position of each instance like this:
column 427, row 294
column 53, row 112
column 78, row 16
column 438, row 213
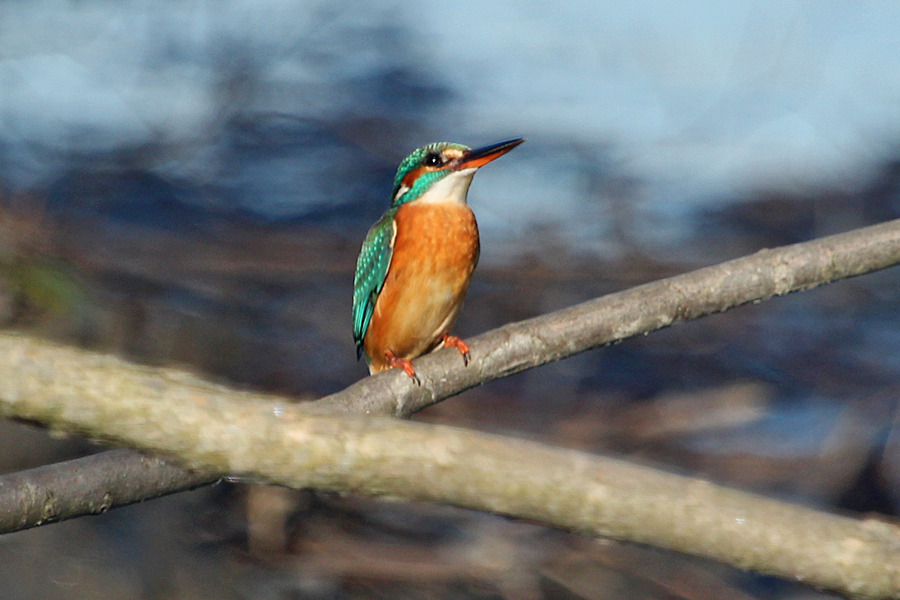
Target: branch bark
column 88, row 486
column 503, row 351
column 219, row 431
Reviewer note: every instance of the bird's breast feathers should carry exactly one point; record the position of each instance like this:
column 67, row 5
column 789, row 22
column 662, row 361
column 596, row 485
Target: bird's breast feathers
column 435, row 251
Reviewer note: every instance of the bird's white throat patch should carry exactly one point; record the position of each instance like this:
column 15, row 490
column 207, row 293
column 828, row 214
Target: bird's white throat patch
column 452, row 188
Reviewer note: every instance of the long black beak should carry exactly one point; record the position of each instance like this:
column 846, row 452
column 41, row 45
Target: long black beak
column 482, row 156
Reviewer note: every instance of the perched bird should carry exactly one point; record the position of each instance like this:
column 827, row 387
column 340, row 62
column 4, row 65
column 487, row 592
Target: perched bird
column 417, row 260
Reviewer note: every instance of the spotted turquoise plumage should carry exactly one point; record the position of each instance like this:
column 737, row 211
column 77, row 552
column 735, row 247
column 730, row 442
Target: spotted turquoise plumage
column 371, row 271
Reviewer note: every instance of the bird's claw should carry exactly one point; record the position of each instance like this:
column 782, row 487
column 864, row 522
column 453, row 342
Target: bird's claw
column 403, row 363
column 455, row 342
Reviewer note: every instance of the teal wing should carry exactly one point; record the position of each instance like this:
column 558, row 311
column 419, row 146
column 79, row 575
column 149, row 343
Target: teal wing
column 371, row 271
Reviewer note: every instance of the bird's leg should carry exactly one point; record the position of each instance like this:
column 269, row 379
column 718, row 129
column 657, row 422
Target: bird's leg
column 455, row 342
column 402, row 363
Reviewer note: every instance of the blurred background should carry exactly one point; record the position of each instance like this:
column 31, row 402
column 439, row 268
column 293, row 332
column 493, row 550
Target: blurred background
column 188, row 183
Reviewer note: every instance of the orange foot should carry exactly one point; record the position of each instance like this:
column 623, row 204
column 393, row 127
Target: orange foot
column 403, row 363
column 455, row 342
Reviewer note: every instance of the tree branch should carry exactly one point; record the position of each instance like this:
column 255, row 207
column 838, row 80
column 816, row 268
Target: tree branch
column 88, row 486
column 615, row 317
column 220, row 431
column 501, row 352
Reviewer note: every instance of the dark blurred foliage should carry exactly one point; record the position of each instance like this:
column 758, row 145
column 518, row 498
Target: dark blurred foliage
column 141, row 252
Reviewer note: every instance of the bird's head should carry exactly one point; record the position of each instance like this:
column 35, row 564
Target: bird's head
column 443, row 170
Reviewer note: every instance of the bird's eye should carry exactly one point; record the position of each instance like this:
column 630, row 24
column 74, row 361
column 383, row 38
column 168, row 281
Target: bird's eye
column 433, row 160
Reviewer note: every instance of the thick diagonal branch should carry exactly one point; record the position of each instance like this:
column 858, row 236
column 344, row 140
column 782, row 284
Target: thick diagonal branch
column 220, row 431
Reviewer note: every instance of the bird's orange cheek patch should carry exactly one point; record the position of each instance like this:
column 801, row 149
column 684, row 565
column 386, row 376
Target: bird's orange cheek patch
column 411, row 177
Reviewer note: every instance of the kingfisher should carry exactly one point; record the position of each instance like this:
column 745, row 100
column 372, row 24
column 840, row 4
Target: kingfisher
column 417, row 260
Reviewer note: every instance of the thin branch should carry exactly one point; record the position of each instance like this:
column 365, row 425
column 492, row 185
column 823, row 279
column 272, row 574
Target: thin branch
column 88, row 486
column 220, row 431
column 615, row 317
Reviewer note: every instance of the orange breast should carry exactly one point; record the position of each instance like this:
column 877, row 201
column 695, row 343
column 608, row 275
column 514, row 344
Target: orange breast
column 435, row 252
